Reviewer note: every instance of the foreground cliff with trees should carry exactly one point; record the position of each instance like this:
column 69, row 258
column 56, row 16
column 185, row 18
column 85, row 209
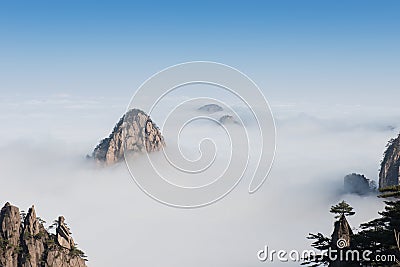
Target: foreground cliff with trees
column 25, row 242
column 379, row 237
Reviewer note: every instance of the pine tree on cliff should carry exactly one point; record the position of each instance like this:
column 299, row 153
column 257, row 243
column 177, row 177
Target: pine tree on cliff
column 379, row 235
column 341, row 231
column 342, row 209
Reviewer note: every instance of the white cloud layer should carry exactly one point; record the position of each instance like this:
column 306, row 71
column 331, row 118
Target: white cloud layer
column 42, row 162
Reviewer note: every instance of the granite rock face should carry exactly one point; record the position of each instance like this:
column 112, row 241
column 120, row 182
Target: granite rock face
column 135, row 132
column 63, row 234
column 24, row 242
column 389, row 174
column 10, row 232
column 341, row 231
column 57, row 258
column 341, row 235
column 35, row 236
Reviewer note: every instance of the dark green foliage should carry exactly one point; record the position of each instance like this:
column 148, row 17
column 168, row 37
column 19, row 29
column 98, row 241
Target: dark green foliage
column 390, row 194
column 76, row 252
column 50, row 242
column 390, row 191
column 41, row 220
column 3, row 243
column 391, row 188
column 342, row 209
column 39, row 235
column 377, row 236
column 23, row 216
column 26, row 235
column 53, row 225
column 17, row 249
column 320, row 243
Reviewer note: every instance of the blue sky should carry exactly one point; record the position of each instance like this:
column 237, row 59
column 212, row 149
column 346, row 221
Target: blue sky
column 98, row 47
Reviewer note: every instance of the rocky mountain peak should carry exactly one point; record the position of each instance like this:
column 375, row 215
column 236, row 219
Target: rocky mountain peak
column 389, row 174
column 135, row 132
column 24, row 242
column 10, row 232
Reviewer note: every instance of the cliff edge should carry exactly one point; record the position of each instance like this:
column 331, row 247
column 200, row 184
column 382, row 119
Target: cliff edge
column 389, row 174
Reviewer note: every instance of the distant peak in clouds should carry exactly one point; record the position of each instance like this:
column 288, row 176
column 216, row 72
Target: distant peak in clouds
column 135, row 131
column 211, row 108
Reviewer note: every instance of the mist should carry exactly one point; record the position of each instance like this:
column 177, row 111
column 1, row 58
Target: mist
column 42, row 161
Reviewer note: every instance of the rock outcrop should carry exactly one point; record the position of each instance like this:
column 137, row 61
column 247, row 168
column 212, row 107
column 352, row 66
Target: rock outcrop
column 228, row 119
column 135, row 132
column 34, row 247
column 63, row 234
column 341, row 240
column 10, row 232
column 341, row 231
column 211, row 108
column 389, row 174
column 358, row 184
column 24, row 242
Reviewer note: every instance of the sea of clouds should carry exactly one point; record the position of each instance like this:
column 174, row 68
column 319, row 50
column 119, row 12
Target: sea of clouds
column 42, row 160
